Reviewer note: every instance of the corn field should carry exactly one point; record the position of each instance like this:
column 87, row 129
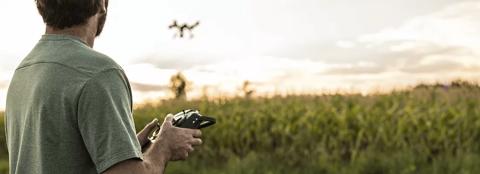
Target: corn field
column 424, row 130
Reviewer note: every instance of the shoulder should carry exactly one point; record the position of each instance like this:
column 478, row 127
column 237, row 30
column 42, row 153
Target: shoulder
column 61, row 56
column 95, row 66
column 69, row 52
column 91, row 62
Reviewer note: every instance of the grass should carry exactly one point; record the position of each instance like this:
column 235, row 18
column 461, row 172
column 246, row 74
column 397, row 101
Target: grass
column 429, row 129
column 3, row 147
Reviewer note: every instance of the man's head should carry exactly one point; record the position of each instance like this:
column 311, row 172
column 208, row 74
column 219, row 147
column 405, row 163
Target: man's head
column 62, row 14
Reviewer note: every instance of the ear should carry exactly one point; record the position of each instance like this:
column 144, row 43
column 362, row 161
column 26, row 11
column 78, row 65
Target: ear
column 103, row 6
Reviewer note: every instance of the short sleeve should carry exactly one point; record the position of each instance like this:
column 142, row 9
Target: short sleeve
column 105, row 120
column 6, row 130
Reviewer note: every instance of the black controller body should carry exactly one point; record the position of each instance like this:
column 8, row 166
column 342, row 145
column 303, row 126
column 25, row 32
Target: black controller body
column 192, row 119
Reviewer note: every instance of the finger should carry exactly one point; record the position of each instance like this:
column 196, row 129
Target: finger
column 185, row 155
column 190, row 148
column 196, row 141
column 149, row 127
column 194, row 132
column 142, row 136
column 168, row 119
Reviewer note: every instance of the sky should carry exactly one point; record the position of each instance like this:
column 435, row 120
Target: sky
column 281, row 46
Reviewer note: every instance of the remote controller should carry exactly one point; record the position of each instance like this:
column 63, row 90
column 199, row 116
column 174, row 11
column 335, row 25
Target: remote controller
column 191, row 119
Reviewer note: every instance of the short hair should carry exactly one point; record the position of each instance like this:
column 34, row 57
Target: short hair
column 67, row 13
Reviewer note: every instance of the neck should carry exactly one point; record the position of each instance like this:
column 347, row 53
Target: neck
column 85, row 32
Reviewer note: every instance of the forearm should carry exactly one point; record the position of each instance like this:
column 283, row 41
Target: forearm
column 154, row 162
column 151, row 164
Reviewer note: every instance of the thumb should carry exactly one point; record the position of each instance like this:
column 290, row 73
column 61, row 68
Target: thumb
column 142, row 136
column 168, row 119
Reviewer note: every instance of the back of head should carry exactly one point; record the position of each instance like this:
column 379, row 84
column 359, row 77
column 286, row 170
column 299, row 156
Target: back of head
column 62, row 14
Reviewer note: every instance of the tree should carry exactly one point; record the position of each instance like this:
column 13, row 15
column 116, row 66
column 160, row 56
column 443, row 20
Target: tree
column 247, row 89
column 179, row 86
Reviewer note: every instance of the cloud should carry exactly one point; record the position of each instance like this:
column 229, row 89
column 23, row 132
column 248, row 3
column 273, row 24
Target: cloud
column 345, row 44
column 180, row 63
column 425, row 48
column 263, row 68
column 439, row 46
column 140, row 87
column 456, row 25
column 440, row 66
column 357, row 69
column 419, row 53
column 442, row 42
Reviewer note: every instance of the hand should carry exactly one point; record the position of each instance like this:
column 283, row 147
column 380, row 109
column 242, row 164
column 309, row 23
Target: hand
column 176, row 142
column 142, row 136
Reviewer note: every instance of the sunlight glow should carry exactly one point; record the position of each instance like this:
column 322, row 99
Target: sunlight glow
column 286, row 47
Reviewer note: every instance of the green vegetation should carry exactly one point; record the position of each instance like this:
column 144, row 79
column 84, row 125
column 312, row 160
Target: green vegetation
column 3, row 147
column 430, row 129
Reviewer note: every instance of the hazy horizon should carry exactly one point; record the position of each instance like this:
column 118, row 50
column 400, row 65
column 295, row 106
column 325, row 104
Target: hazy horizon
column 303, row 46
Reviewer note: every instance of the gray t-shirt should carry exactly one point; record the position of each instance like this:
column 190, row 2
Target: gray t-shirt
column 69, row 110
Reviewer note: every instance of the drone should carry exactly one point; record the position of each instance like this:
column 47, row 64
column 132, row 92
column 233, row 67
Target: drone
column 182, row 28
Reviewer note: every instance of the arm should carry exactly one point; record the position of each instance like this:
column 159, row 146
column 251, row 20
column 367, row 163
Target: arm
column 105, row 122
column 172, row 144
column 149, row 165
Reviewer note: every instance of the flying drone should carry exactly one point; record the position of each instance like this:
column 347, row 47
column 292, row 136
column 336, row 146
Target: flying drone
column 181, row 29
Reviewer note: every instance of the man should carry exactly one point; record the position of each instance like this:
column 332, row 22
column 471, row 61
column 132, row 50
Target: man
column 69, row 108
